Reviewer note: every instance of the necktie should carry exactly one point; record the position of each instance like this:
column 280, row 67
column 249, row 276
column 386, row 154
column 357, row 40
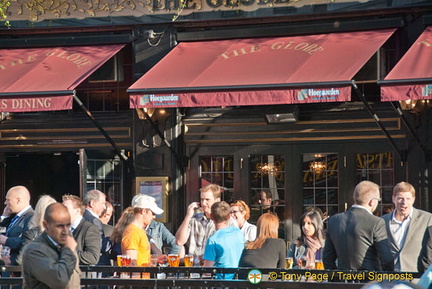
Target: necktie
column 12, row 223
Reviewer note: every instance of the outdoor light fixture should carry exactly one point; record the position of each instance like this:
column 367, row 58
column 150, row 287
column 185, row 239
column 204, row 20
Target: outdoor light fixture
column 283, row 117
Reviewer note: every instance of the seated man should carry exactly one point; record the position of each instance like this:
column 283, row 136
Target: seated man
column 224, row 248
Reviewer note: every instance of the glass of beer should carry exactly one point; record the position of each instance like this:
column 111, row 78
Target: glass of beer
column 126, row 260
column 174, row 260
column 188, row 260
column 289, row 262
column 319, row 265
column 119, row 260
column 302, row 262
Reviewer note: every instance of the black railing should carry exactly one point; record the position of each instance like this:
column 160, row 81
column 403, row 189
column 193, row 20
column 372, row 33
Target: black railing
column 200, row 277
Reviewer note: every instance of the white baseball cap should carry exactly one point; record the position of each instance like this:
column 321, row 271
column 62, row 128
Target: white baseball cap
column 146, row 202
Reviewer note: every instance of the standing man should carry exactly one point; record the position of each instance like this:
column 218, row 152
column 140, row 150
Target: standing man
column 266, row 200
column 406, row 227
column 85, row 233
column 356, row 238
column 105, row 218
column 94, row 201
column 135, row 242
column 197, row 228
column 225, row 247
column 18, row 201
column 50, row 261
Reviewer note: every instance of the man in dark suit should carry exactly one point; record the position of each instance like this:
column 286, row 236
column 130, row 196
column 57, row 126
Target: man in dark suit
column 85, row 233
column 18, row 200
column 94, row 201
column 356, row 238
column 406, row 227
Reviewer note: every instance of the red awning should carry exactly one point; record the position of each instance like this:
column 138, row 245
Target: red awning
column 43, row 79
column 259, row 71
column 411, row 78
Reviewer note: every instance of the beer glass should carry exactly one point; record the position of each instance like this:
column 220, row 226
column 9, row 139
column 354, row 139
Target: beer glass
column 188, row 260
column 289, row 262
column 119, row 260
column 126, row 260
column 319, row 265
column 174, row 260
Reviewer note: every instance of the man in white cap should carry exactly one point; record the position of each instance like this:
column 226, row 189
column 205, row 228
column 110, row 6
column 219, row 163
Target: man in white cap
column 135, row 242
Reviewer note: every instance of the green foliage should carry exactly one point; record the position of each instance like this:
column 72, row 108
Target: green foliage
column 4, row 4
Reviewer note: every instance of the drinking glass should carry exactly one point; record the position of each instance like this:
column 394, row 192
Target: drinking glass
column 126, row 260
column 319, row 265
column 174, row 260
column 119, row 260
column 289, row 262
column 302, row 262
column 188, row 260
column 153, row 260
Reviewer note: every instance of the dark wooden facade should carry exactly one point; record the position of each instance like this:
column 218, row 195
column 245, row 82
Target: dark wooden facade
column 345, row 129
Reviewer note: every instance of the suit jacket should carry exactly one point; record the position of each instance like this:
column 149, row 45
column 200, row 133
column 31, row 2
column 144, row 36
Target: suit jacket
column 427, row 250
column 15, row 234
column 409, row 255
column 46, row 266
column 88, row 239
column 105, row 245
column 358, row 240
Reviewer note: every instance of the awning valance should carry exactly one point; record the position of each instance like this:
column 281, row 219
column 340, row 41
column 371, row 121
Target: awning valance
column 411, row 78
column 43, row 79
column 259, row 71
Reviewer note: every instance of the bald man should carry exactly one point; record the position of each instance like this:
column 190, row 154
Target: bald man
column 18, row 201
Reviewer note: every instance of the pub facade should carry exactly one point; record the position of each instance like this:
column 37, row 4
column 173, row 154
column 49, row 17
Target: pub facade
column 303, row 99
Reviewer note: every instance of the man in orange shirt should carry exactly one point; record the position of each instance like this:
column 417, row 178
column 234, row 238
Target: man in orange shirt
column 134, row 241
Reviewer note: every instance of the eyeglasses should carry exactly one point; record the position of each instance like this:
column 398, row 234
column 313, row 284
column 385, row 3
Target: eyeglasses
column 233, row 212
column 378, row 199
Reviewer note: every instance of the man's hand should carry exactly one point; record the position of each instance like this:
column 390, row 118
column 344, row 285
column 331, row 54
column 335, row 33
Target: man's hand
column 71, row 243
column 3, row 239
column 191, row 209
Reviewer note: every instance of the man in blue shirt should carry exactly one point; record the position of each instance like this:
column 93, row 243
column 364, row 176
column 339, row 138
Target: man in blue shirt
column 224, row 248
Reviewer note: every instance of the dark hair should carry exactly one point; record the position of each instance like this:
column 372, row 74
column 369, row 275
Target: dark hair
column 317, row 222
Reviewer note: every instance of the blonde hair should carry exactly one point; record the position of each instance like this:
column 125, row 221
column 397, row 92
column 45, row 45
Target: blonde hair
column 128, row 215
column 39, row 211
column 404, row 187
column 267, row 227
column 216, row 190
column 243, row 207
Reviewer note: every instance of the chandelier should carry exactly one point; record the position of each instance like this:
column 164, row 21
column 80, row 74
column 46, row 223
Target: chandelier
column 268, row 169
column 317, row 166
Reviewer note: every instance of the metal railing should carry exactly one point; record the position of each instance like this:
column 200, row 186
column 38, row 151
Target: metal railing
column 201, row 277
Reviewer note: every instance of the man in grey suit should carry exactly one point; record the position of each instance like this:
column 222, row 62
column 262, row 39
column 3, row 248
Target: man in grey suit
column 356, row 238
column 95, row 202
column 18, row 201
column 406, row 227
column 85, row 233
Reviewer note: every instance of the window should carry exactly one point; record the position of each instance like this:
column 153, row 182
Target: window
column 377, row 168
column 218, row 170
column 267, row 174
column 321, row 182
column 106, row 176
